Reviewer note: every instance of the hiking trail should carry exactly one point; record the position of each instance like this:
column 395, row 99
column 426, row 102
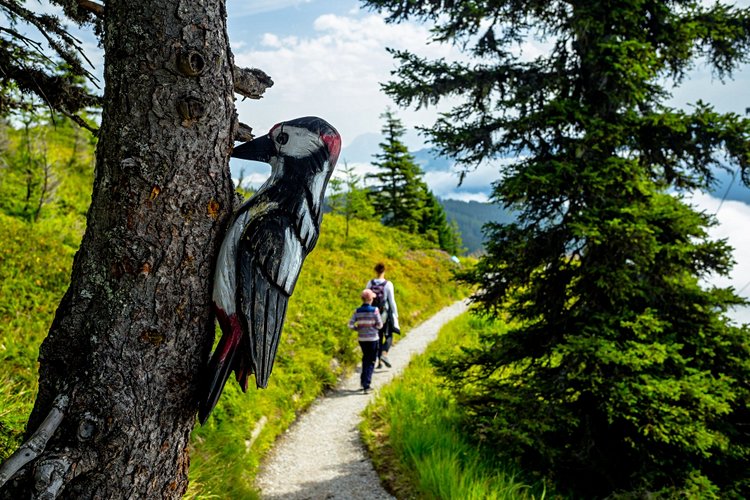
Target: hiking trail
column 321, row 455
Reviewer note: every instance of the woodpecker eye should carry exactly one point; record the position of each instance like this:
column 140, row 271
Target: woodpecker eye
column 282, row 138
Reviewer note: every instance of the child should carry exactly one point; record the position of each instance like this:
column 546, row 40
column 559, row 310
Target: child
column 366, row 320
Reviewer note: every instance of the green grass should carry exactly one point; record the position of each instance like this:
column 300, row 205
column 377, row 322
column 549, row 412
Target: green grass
column 316, row 348
column 35, row 263
column 413, row 431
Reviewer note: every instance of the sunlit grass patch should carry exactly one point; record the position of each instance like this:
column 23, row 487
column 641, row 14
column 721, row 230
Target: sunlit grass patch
column 413, row 430
column 35, row 262
column 15, row 406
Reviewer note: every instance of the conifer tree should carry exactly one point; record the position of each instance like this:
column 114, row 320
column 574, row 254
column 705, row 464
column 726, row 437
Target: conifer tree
column 620, row 372
column 435, row 225
column 121, row 366
column 397, row 193
column 402, row 197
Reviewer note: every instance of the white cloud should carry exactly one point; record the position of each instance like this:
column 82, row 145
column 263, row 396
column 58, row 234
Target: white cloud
column 360, row 169
column 336, row 70
column 476, row 185
column 734, row 219
column 728, row 96
column 444, row 183
column 335, row 73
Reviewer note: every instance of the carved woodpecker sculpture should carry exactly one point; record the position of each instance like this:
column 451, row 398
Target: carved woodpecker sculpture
column 264, row 248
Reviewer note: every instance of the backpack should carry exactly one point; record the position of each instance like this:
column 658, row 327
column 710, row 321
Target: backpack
column 379, row 301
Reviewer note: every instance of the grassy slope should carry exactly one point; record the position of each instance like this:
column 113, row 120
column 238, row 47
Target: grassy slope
column 316, row 347
column 35, row 265
column 35, row 262
column 413, row 432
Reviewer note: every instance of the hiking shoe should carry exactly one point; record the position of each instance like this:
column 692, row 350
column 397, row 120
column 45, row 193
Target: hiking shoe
column 385, row 361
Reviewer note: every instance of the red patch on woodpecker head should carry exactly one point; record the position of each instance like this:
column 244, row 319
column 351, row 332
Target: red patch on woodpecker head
column 333, row 143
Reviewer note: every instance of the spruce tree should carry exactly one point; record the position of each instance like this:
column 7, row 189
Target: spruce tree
column 435, row 226
column 620, row 372
column 397, row 193
column 401, row 196
column 122, row 364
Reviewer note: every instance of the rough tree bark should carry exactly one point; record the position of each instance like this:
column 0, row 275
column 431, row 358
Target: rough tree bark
column 131, row 334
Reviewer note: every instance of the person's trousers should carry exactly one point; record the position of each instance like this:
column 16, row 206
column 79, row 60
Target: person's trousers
column 386, row 340
column 369, row 356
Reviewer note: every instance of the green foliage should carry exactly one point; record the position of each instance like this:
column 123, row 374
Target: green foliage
column 414, row 432
column 398, row 191
column 316, row 347
column 51, row 73
column 435, row 226
column 349, row 198
column 35, row 259
column 13, row 413
column 35, row 262
column 621, row 373
column 401, row 198
column 46, row 169
column 471, row 217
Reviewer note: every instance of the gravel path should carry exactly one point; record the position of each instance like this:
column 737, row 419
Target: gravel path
column 321, row 455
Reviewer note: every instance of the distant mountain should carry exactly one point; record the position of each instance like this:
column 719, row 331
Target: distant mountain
column 429, row 161
column 471, row 216
column 361, row 148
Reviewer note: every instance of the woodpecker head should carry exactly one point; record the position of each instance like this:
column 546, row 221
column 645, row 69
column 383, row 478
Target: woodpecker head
column 302, row 153
column 309, row 141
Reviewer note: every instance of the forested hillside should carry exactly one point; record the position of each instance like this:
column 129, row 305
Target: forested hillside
column 470, row 217
column 316, row 347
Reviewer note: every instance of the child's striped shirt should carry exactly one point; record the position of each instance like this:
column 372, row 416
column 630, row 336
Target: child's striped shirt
column 366, row 320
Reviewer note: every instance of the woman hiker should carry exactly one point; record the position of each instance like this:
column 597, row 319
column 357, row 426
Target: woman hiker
column 385, row 301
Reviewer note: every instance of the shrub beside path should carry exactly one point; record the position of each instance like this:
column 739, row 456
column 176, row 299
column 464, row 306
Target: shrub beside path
column 321, row 456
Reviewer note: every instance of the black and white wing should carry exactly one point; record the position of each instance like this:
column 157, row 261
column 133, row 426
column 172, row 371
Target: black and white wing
column 270, row 260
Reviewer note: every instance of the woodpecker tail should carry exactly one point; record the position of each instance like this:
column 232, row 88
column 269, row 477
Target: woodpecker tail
column 224, row 359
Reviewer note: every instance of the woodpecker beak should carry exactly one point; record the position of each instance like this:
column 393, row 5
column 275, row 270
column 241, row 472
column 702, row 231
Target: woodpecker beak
column 259, row 149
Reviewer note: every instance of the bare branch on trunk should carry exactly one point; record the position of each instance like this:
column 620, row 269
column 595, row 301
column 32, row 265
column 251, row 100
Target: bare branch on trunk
column 251, row 82
column 243, row 133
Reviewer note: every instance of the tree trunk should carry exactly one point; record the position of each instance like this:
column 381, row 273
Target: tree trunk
column 134, row 328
